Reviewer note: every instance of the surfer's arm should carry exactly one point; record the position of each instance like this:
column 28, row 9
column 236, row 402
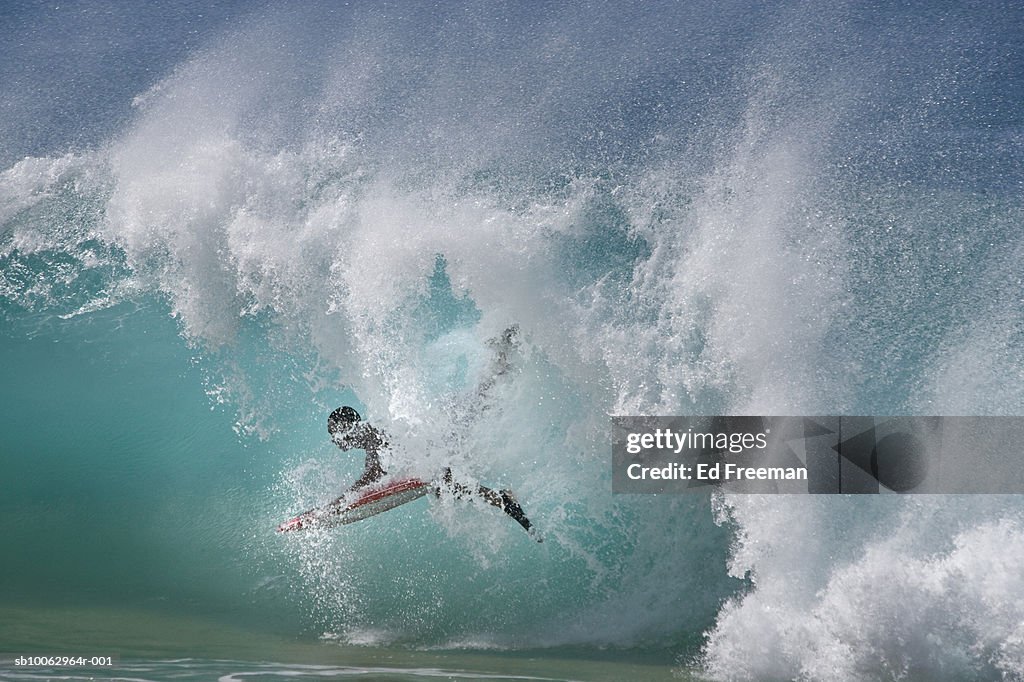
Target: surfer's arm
column 372, row 441
column 372, row 471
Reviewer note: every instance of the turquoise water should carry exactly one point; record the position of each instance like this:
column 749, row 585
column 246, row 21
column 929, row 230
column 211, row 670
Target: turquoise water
column 153, row 645
column 115, row 459
column 217, row 224
column 142, row 528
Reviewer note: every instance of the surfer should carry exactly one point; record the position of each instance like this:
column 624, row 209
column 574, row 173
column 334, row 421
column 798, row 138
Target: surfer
column 348, row 431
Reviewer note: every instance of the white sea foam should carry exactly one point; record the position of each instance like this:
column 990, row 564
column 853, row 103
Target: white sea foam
column 922, row 589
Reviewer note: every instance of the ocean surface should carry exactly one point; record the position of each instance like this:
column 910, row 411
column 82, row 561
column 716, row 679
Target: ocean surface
column 220, row 221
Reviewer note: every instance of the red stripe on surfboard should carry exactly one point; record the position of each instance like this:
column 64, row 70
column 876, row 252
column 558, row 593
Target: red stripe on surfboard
column 387, row 491
column 312, row 517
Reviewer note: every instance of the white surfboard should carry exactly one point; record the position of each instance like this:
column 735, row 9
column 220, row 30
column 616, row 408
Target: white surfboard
column 358, row 505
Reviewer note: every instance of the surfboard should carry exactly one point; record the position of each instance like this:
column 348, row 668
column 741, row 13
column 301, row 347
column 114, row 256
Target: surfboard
column 359, row 504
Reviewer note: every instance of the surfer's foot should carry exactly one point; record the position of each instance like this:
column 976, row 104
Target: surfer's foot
column 509, row 337
column 507, row 340
column 503, row 345
column 510, row 506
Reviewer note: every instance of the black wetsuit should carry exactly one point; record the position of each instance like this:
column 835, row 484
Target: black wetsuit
column 362, row 436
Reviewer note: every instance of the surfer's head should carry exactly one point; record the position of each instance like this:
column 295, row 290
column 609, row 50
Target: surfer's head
column 342, row 420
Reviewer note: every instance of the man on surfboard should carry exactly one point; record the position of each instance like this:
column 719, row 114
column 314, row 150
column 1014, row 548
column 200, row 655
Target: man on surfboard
column 348, row 431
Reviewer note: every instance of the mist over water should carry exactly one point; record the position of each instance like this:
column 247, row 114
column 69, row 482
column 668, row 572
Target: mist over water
column 686, row 209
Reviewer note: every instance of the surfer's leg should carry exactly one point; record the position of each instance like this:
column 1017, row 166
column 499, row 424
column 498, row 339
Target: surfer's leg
column 510, row 506
column 502, row 499
column 503, row 346
column 506, row 502
column 445, row 483
column 450, row 486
